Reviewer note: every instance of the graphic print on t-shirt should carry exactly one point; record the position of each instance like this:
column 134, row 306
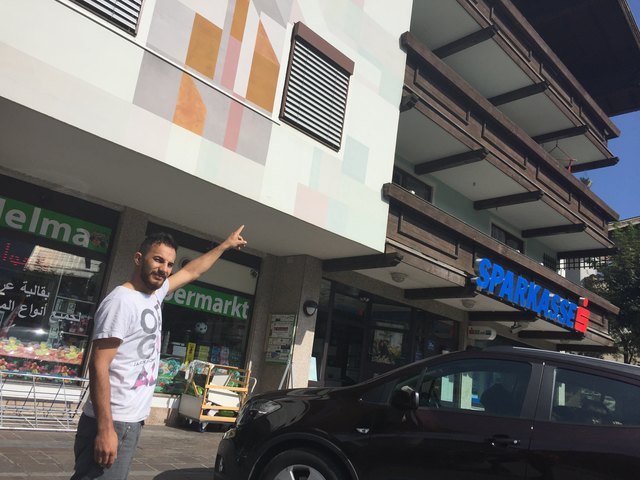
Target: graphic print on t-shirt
column 144, row 379
column 148, row 347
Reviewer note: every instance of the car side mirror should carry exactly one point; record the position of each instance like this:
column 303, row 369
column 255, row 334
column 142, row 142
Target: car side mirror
column 405, row 398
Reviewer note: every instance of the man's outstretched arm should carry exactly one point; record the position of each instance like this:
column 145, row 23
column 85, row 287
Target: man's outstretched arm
column 196, row 267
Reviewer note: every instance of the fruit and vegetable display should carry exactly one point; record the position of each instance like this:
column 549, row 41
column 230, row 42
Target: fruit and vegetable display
column 171, row 376
column 39, row 358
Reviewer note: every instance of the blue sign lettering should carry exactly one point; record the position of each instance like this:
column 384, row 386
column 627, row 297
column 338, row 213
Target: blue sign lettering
column 518, row 290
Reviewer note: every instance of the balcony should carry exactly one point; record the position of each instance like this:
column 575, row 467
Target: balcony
column 491, row 114
column 438, row 254
column 489, row 111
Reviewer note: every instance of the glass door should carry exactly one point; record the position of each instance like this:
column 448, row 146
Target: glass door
column 345, row 349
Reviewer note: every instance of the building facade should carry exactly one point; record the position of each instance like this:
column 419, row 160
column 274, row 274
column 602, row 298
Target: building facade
column 407, row 177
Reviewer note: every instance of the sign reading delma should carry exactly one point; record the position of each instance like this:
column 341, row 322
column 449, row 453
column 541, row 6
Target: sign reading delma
column 210, row 301
column 56, row 226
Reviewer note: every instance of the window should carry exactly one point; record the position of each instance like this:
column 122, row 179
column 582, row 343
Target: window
column 507, row 238
column 549, row 262
column 383, row 392
column 46, row 308
column 495, row 387
column 492, row 386
column 594, row 400
column 415, row 186
column 588, row 262
column 315, row 96
column 122, row 13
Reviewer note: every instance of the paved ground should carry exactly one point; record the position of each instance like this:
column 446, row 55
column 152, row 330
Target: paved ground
column 164, row 453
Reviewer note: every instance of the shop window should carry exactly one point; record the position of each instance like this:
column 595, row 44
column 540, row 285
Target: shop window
column 122, row 13
column 434, row 335
column 507, row 238
column 390, row 341
column 53, row 252
column 315, row 95
column 47, row 301
column 207, row 320
column 586, row 399
column 412, row 184
column 345, row 348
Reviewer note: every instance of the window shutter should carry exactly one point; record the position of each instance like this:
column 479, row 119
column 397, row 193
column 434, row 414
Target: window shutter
column 122, row 13
column 315, row 99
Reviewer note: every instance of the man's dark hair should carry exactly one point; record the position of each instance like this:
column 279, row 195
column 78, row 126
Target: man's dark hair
column 161, row 238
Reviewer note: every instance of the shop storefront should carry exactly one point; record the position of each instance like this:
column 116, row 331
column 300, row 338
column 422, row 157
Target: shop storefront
column 209, row 319
column 54, row 250
column 360, row 335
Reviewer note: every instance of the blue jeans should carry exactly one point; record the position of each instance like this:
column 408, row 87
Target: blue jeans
column 86, row 468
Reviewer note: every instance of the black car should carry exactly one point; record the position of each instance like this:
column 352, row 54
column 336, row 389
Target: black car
column 503, row 412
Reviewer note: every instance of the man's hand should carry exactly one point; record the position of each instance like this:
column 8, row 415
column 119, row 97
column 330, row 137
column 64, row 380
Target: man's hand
column 105, row 450
column 235, row 240
column 196, row 267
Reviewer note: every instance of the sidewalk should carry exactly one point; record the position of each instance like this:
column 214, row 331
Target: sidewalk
column 164, row 453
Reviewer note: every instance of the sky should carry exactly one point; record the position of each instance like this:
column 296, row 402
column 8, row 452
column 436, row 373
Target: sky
column 619, row 186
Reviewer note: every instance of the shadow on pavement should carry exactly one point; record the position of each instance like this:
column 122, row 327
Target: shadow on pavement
column 186, row 474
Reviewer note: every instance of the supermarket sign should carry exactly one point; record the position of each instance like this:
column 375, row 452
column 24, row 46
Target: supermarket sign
column 210, row 301
column 27, row 218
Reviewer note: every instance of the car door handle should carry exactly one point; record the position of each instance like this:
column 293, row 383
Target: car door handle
column 503, row 441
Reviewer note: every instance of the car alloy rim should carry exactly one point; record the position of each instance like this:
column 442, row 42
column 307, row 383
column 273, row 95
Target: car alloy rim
column 299, row 472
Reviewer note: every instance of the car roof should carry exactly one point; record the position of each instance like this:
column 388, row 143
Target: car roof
column 567, row 358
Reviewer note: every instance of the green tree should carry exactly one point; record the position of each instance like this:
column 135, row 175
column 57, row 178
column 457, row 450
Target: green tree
column 619, row 282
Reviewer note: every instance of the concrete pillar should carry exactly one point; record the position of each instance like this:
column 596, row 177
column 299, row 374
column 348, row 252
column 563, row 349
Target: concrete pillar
column 284, row 285
column 130, row 234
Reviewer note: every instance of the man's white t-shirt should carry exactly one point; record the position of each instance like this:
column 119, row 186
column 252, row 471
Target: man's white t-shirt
column 136, row 319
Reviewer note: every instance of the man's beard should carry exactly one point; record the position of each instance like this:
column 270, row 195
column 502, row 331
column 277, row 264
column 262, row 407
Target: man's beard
column 150, row 280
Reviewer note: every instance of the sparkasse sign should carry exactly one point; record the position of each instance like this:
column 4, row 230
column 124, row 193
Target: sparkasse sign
column 506, row 285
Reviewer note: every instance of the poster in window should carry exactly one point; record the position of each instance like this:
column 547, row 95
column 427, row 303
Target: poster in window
column 386, row 347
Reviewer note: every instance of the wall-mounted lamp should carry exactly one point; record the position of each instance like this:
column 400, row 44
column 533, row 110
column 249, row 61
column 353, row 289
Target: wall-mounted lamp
column 468, row 303
column 398, row 277
column 309, row 307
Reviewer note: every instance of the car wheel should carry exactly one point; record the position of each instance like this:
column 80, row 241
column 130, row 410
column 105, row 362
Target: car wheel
column 302, row 465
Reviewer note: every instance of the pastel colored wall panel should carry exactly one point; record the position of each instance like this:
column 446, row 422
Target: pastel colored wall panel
column 233, row 126
column 254, row 137
column 231, row 63
column 204, row 46
column 278, row 10
column 217, row 105
column 190, row 110
column 239, row 19
column 264, row 73
column 170, row 29
column 356, row 156
column 311, row 206
column 158, row 86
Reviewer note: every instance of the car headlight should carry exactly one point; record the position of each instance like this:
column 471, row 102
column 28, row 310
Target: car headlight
column 256, row 408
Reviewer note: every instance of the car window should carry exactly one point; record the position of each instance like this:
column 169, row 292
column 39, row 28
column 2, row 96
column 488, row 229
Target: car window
column 382, row 393
column 588, row 399
column 495, row 387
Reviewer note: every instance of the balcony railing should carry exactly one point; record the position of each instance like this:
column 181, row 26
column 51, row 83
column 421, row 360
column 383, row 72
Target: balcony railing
column 430, row 232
